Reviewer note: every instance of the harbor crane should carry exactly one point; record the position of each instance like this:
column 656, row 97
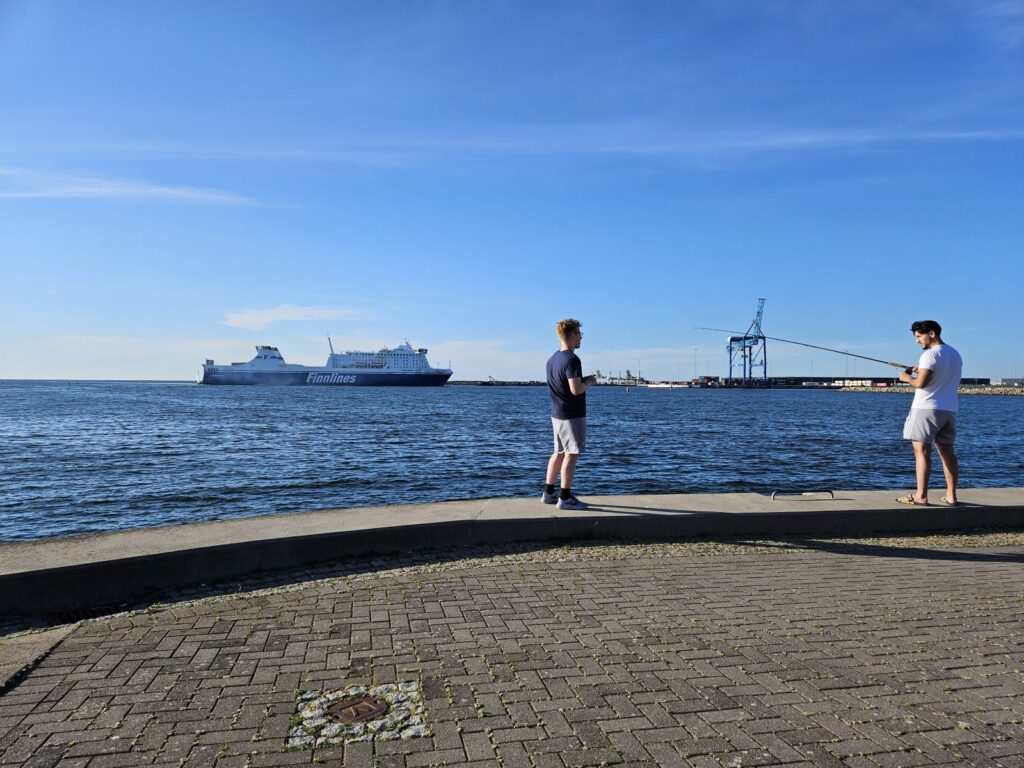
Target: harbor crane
column 750, row 352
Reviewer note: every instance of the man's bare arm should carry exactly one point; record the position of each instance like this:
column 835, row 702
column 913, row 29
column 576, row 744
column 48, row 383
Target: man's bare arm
column 578, row 386
column 923, row 377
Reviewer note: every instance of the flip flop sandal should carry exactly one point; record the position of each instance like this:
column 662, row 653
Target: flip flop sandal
column 910, row 501
column 949, row 503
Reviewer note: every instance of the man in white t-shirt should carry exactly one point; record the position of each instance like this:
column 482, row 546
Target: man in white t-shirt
column 932, row 417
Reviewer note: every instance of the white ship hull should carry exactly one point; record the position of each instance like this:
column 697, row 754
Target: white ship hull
column 399, row 367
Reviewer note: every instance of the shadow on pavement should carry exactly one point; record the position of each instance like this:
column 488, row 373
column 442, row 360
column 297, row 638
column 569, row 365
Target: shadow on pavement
column 627, row 509
column 882, row 550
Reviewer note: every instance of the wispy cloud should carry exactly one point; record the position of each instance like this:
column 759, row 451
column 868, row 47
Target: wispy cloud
column 356, row 151
column 1003, row 20
column 258, row 319
column 652, row 140
column 638, row 138
column 23, row 183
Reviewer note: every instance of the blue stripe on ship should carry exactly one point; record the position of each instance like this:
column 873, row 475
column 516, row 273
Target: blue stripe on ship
column 325, row 379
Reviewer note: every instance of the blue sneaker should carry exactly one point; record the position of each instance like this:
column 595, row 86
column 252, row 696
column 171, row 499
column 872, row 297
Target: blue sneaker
column 549, row 498
column 571, row 503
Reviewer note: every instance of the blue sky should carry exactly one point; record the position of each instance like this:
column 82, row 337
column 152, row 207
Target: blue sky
column 185, row 180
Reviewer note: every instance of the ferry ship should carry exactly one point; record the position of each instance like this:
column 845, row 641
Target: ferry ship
column 402, row 366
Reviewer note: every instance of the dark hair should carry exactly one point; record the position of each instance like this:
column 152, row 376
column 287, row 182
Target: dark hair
column 926, row 326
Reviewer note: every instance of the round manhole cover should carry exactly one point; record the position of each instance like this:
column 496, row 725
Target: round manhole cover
column 357, row 710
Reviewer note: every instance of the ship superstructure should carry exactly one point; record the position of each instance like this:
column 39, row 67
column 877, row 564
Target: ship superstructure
column 402, row 366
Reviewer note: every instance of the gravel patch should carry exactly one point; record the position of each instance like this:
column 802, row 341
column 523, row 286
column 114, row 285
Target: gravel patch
column 403, row 719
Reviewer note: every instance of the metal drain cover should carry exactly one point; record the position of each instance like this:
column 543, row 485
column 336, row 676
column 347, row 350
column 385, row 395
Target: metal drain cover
column 357, row 710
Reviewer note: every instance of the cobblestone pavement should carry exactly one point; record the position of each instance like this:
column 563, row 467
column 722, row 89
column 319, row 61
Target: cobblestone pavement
column 881, row 653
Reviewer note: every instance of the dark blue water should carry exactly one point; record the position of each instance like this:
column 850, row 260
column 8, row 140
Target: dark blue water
column 109, row 456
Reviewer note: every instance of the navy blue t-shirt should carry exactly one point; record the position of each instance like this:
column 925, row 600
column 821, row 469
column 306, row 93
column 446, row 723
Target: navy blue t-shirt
column 562, row 366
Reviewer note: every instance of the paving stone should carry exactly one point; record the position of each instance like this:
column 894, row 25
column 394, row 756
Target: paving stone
column 278, row 759
column 46, row 757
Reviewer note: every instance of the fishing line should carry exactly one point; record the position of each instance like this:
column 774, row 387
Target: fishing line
column 813, row 346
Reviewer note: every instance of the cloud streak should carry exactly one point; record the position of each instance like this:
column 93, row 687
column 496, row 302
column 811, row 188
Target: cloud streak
column 625, row 138
column 1004, row 21
column 27, row 184
column 637, row 137
column 258, row 319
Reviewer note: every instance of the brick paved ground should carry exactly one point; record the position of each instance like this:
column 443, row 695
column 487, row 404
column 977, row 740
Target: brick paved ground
column 651, row 656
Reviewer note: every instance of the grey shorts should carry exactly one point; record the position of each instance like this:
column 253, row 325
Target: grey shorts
column 925, row 425
column 570, row 434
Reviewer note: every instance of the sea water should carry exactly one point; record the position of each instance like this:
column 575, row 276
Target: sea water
column 86, row 457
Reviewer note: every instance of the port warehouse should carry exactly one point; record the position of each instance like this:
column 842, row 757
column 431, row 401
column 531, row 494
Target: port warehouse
column 715, row 381
column 835, row 381
column 809, row 382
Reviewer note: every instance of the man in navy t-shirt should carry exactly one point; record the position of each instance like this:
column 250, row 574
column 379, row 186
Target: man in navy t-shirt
column 568, row 389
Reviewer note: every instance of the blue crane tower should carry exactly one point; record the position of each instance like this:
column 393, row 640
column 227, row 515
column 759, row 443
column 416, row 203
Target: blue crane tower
column 750, row 351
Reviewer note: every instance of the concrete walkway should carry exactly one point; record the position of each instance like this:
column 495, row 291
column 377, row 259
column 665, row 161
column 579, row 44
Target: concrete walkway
column 61, row 575
column 880, row 653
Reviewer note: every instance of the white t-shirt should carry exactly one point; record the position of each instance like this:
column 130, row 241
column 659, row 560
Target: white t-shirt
column 939, row 394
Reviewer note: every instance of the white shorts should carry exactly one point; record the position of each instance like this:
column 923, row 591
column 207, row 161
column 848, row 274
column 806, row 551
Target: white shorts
column 570, row 434
column 924, row 425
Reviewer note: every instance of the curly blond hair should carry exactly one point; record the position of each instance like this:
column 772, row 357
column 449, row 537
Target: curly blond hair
column 564, row 327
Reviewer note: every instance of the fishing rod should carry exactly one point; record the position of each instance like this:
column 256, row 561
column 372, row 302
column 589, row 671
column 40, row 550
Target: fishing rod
column 901, row 366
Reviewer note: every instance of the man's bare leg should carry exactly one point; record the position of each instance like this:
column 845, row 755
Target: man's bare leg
column 923, row 468
column 569, row 469
column 554, row 465
column 950, row 468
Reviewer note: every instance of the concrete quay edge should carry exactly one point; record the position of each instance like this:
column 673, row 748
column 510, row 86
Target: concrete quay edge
column 77, row 573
